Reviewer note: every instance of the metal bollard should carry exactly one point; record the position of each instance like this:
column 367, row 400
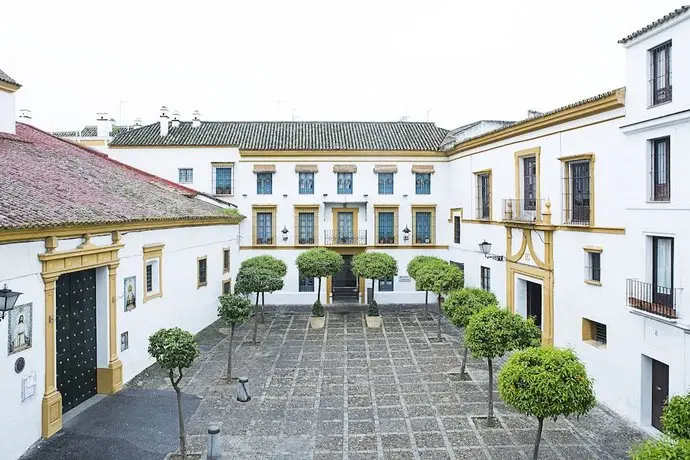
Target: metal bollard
column 213, row 443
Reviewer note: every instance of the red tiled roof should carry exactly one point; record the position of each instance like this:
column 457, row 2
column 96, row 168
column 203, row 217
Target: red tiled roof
column 48, row 182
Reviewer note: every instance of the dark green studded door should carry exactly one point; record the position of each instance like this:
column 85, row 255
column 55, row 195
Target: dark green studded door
column 75, row 309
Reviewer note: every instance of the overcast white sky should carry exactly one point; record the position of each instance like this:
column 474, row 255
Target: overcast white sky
column 453, row 61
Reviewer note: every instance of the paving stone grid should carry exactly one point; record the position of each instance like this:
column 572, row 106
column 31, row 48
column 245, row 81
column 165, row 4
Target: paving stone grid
column 352, row 392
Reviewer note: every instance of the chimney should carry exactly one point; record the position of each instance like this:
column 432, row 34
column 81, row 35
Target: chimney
column 164, row 121
column 176, row 119
column 25, row 116
column 196, row 119
column 103, row 125
column 8, row 114
column 137, row 123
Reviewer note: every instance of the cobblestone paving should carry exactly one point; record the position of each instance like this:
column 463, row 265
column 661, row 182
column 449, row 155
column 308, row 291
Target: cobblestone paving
column 351, row 392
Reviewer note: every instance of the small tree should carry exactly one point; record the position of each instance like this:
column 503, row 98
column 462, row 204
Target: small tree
column 494, row 331
column 675, row 420
column 175, row 349
column 412, row 268
column 459, row 308
column 319, row 263
column 664, row 449
column 441, row 278
column 374, row 266
column 546, row 383
column 269, row 263
column 233, row 309
column 259, row 280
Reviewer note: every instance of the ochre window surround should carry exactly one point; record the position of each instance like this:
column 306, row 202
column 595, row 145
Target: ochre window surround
column 201, row 274
column 479, row 203
column 520, row 155
column 423, row 169
column 152, row 252
column 306, row 208
column 594, row 333
column 379, row 208
column 266, row 208
column 226, row 260
column 419, row 208
column 382, row 169
column 567, row 207
column 589, row 250
column 345, row 168
column 264, row 168
column 307, row 168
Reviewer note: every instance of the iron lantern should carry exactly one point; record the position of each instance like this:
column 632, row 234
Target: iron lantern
column 485, row 248
column 242, row 391
column 8, row 298
column 284, row 231
column 406, row 233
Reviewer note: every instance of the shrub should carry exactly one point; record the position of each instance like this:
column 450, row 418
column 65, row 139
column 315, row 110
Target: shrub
column 676, row 417
column 665, row 449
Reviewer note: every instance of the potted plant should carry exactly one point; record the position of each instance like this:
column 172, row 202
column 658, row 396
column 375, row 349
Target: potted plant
column 374, row 266
column 318, row 263
column 234, row 309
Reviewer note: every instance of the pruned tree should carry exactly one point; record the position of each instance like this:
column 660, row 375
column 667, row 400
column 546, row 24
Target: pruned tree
column 269, row 263
column 319, row 263
column 546, row 383
column 234, row 309
column 374, row 266
column 460, row 306
column 441, row 278
column 259, row 280
column 412, row 268
column 175, row 349
column 675, row 445
column 494, row 331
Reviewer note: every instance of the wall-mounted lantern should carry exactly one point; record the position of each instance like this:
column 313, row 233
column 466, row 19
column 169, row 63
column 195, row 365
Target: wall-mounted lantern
column 406, row 234
column 485, row 248
column 284, row 231
column 8, row 298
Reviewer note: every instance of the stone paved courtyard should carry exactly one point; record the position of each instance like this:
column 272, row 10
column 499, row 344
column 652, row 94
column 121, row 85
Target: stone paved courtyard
column 349, row 392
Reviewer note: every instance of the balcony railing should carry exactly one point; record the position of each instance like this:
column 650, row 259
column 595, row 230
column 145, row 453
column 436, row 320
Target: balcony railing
column 335, row 238
column 529, row 211
column 658, row 300
column 263, row 241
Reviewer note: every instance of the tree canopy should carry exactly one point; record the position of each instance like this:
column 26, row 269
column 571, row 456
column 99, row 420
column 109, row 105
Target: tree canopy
column 234, row 309
column 257, row 279
column 173, row 348
column 494, row 331
column 417, row 261
column 374, row 265
column 319, row 262
column 460, row 305
column 266, row 262
column 439, row 277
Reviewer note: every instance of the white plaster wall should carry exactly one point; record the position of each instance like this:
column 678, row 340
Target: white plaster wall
column 182, row 304
column 7, row 113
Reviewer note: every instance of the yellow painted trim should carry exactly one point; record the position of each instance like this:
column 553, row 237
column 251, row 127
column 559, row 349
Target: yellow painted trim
column 154, row 251
column 32, row 234
column 53, row 264
column 477, row 175
column 226, row 269
column 423, row 208
column 520, row 155
column 362, row 289
column 329, row 289
column 91, row 142
column 589, row 333
column 339, row 153
column 579, row 228
column 394, row 208
column 6, row 87
column 532, row 251
column 481, row 221
column 199, row 283
column 612, row 102
column 355, row 220
column 546, row 277
column 306, row 208
column 337, row 248
column 593, row 249
column 453, row 212
column 593, row 283
column 265, row 208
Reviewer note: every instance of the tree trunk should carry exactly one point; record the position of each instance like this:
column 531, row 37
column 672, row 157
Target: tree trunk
column 463, row 371
column 318, row 293
column 438, row 335
column 256, row 318
column 426, row 302
column 232, row 336
column 536, row 442
column 373, row 289
column 490, row 418
column 262, row 307
column 183, row 440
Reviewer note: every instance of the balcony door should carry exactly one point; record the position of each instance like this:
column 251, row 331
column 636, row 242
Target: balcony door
column 662, row 271
column 345, row 227
column 529, row 183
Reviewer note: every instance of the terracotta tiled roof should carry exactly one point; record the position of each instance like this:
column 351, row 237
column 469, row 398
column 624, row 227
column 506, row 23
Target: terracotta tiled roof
column 291, row 135
column 7, row 79
column 49, row 182
column 673, row 14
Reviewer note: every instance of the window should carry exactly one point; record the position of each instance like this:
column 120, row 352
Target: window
column 484, row 195
column 222, row 179
column 185, row 175
column 306, row 284
column 660, row 169
column 345, row 183
column 264, row 183
column 226, row 260
column 386, row 183
column 153, row 260
column 486, row 278
column 386, row 285
column 423, row 183
column 461, row 266
column 593, row 265
column 577, row 189
column 456, row 229
column 264, row 221
column 594, row 332
column 201, row 272
column 227, row 287
column 386, row 233
column 662, row 271
column 306, row 183
column 423, row 225
column 305, row 224
column 660, row 74
column 529, row 183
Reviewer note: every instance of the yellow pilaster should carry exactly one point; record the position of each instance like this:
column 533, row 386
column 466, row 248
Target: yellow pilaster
column 109, row 380
column 51, row 405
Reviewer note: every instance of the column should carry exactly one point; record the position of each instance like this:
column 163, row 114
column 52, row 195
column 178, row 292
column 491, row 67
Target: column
column 109, row 380
column 51, row 405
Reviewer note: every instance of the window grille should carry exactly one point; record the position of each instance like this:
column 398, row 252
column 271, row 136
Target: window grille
column 226, row 260
column 576, row 192
column 423, row 183
column 386, row 227
column 386, row 183
column 306, row 183
column 344, row 183
column 660, row 74
column 386, row 285
column 600, row 332
column 305, row 224
column 201, row 272
column 486, row 278
column 264, row 183
column 456, row 229
column 306, row 284
column 423, row 227
column 483, row 196
column 264, row 228
column 529, row 183
column 660, row 169
column 593, row 266
column 222, row 180
column 185, row 175
column 149, row 277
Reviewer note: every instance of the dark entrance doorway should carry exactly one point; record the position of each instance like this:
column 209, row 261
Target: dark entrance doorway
column 534, row 302
column 75, row 310
column 659, row 391
column 345, row 283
